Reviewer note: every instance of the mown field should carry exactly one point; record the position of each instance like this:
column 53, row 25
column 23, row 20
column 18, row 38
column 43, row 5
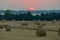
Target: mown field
column 18, row 33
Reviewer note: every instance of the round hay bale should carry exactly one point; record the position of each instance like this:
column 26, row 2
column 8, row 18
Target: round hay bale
column 1, row 27
column 24, row 24
column 3, row 20
column 39, row 26
column 59, row 31
column 8, row 28
column 53, row 22
column 37, row 23
column 5, row 26
column 40, row 33
column 43, row 24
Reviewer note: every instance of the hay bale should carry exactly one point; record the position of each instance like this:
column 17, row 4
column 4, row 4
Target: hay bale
column 59, row 31
column 53, row 22
column 40, row 26
column 43, row 24
column 8, row 28
column 24, row 24
column 3, row 20
column 40, row 33
column 1, row 27
column 37, row 23
column 5, row 26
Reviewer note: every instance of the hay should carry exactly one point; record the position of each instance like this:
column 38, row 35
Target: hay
column 40, row 26
column 43, row 24
column 8, row 28
column 24, row 24
column 40, row 33
column 59, row 31
column 53, row 22
column 3, row 20
column 1, row 26
column 37, row 23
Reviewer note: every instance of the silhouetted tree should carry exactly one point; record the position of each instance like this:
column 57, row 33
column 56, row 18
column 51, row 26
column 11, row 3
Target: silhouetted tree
column 28, row 16
column 1, row 16
column 8, row 15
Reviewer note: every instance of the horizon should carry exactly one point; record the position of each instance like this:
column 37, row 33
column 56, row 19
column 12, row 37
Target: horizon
column 27, row 9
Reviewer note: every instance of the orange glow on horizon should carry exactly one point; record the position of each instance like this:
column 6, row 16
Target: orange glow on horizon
column 31, row 8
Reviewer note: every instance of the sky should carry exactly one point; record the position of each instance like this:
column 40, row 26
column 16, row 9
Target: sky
column 26, row 4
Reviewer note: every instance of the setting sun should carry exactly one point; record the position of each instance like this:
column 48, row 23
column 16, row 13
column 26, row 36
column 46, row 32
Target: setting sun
column 31, row 8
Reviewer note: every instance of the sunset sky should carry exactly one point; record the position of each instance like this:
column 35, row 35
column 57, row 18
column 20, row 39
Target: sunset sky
column 26, row 4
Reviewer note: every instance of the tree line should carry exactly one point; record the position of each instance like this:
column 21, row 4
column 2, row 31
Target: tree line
column 8, row 15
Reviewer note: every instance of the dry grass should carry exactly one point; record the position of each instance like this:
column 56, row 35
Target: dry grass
column 24, row 34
